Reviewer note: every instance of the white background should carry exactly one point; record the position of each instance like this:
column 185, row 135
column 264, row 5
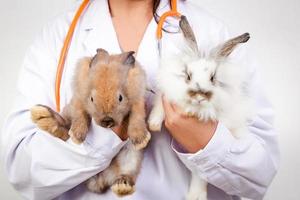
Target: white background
column 275, row 29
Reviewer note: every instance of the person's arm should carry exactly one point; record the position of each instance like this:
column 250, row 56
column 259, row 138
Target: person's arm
column 243, row 167
column 39, row 165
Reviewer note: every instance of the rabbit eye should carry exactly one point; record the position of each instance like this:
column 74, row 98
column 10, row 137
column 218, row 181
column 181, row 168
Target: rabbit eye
column 120, row 98
column 188, row 77
column 212, row 78
column 92, row 99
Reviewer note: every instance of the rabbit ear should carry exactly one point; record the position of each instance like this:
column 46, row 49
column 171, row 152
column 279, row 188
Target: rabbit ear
column 188, row 33
column 102, row 57
column 128, row 58
column 224, row 50
column 102, row 51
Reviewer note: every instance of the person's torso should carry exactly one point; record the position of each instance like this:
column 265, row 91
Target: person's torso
column 163, row 175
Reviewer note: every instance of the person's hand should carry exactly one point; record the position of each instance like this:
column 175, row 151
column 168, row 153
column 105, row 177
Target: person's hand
column 189, row 132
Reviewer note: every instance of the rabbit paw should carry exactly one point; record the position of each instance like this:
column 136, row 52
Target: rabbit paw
column 78, row 133
column 196, row 195
column 96, row 184
column 141, row 141
column 123, row 186
column 155, row 124
column 44, row 118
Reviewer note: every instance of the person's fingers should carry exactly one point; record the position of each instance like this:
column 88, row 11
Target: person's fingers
column 177, row 109
column 167, row 107
column 172, row 109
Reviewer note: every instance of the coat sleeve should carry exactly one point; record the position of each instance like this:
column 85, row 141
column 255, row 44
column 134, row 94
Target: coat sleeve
column 39, row 165
column 243, row 167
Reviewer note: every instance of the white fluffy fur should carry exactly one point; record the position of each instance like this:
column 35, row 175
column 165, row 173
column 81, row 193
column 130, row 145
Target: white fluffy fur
column 228, row 104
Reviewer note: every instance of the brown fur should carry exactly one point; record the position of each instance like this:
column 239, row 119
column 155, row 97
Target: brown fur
column 204, row 94
column 109, row 89
column 104, row 80
column 50, row 121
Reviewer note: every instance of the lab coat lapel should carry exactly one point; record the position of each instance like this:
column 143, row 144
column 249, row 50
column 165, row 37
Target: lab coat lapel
column 100, row 32
column 148, row 54
column 99, row 27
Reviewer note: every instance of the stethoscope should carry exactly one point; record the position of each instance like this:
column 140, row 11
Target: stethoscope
column 64, row 51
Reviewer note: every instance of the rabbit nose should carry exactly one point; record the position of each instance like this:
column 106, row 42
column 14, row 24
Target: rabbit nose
column 107, row 122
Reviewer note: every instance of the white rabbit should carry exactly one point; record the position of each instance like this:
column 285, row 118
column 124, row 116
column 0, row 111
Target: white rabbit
column 209, row 87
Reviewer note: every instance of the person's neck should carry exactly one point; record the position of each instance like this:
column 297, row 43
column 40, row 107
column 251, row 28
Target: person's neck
column 130, row 8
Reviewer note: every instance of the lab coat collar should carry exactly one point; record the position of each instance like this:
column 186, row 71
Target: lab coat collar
column 98, row 24
column 95, row 10
column 99, row 8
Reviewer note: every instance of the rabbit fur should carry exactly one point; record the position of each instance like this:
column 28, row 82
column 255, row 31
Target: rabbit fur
column 206, row 86
column 110, row 90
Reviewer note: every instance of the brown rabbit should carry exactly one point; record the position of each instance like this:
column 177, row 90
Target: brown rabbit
column 110, row 89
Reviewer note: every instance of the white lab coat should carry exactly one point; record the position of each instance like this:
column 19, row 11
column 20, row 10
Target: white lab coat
column 42, row 167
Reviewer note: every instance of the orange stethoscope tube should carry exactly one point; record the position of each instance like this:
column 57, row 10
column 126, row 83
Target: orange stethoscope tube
column 172, row 13
column 64, row 51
